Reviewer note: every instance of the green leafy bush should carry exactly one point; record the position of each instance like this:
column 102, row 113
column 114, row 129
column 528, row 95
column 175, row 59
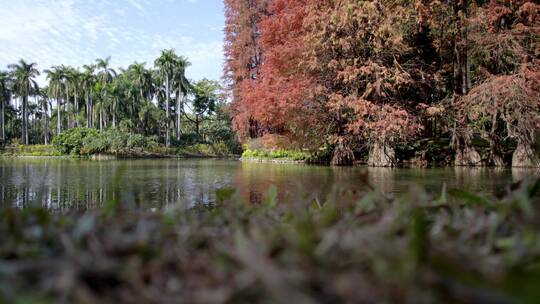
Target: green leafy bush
column 82, row 141
column 71, row 141
column 116, row 142
column 278, row 154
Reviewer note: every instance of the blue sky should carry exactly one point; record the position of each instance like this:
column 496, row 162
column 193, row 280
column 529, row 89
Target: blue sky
column 76, row 32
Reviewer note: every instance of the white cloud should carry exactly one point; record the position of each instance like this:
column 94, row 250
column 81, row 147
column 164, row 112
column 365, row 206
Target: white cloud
column 75, row 32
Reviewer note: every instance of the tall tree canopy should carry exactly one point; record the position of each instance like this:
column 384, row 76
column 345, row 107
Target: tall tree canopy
column 374, row 74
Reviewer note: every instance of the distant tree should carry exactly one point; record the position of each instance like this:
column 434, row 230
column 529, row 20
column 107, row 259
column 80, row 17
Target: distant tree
column 166, row 64
column 206, row 94
column 105, row 75
column 182, row 89
column 24, row 85
column 54, row 76
column 88, row 83
column 5, row 97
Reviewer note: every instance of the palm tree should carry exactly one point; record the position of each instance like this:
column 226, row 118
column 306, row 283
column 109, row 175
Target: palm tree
column 142, row 78
column 24, row 83
column 105, row 76
column 75, row 79
column 115, row 91
column 166, row 63
column 88, row 83
column 43, row 103
column 183, row 87
column 54, row 76
column 5, row 96
column 65, row 81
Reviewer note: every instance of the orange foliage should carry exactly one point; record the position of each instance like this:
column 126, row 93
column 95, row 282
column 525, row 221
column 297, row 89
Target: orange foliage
column 379, row 70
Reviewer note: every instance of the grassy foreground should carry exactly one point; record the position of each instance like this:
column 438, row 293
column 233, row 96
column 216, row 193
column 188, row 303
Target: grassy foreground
column 458, row 248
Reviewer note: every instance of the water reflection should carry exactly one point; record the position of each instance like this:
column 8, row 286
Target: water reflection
column 65, row 184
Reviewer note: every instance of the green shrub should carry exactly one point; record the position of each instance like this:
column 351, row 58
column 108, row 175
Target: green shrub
column 117, row 142
column 83, row 141
column 295, row 155
column 71, row 141
column 95, row 145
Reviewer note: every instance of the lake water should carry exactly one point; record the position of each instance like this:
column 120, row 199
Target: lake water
column 71, row 183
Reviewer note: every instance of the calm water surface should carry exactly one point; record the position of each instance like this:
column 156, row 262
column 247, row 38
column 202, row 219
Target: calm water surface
column 67, row 183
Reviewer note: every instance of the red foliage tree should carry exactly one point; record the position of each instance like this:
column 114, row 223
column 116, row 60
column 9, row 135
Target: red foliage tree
column 243, row 56
column 374, row 73
column 361, row 56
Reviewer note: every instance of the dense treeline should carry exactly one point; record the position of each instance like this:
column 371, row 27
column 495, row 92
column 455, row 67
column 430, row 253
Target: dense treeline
column 385, row 77
column 157, row 102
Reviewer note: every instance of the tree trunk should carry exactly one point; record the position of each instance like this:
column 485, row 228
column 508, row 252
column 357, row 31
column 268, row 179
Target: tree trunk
column 466, row 156
column 87, row 111
column 2, row 122
column 25, row 120
column 197, row 127
column 342, row 155
column 46, row 126
column 76, row 109
column 100, row 119
column 382, row 155
column 458, row 51
column 91, row 113
column 524, row 156
column 114, row 115
column 58, row 116
column 495, row 158
column 167, row 114
column 464, row 48
column 178, row 116
column 67, row 107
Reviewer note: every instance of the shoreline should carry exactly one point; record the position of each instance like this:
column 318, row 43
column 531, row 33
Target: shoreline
column 120, row 157
column 277, row 161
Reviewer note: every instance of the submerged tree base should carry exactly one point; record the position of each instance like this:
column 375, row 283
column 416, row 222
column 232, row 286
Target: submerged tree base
column 382, row 155
column 524, row 157
column 460, row 248
column 343, row 155
column 468, row 157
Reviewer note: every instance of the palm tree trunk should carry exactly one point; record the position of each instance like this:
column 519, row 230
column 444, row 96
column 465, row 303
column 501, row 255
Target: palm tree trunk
column 179, row 115
column 167, row 125
column 101, row 119
column 67, row 106
column 87, row 111
column 25, row 120
column 58, row 116
column 92, row 113
column 46, row 127
column 76, row 108
column 114, row 115
column 2, row 123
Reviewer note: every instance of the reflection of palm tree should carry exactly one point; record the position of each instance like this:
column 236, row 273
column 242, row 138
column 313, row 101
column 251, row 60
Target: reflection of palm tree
column 24, row 83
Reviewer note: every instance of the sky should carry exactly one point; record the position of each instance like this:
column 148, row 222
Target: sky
column 76, row 32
